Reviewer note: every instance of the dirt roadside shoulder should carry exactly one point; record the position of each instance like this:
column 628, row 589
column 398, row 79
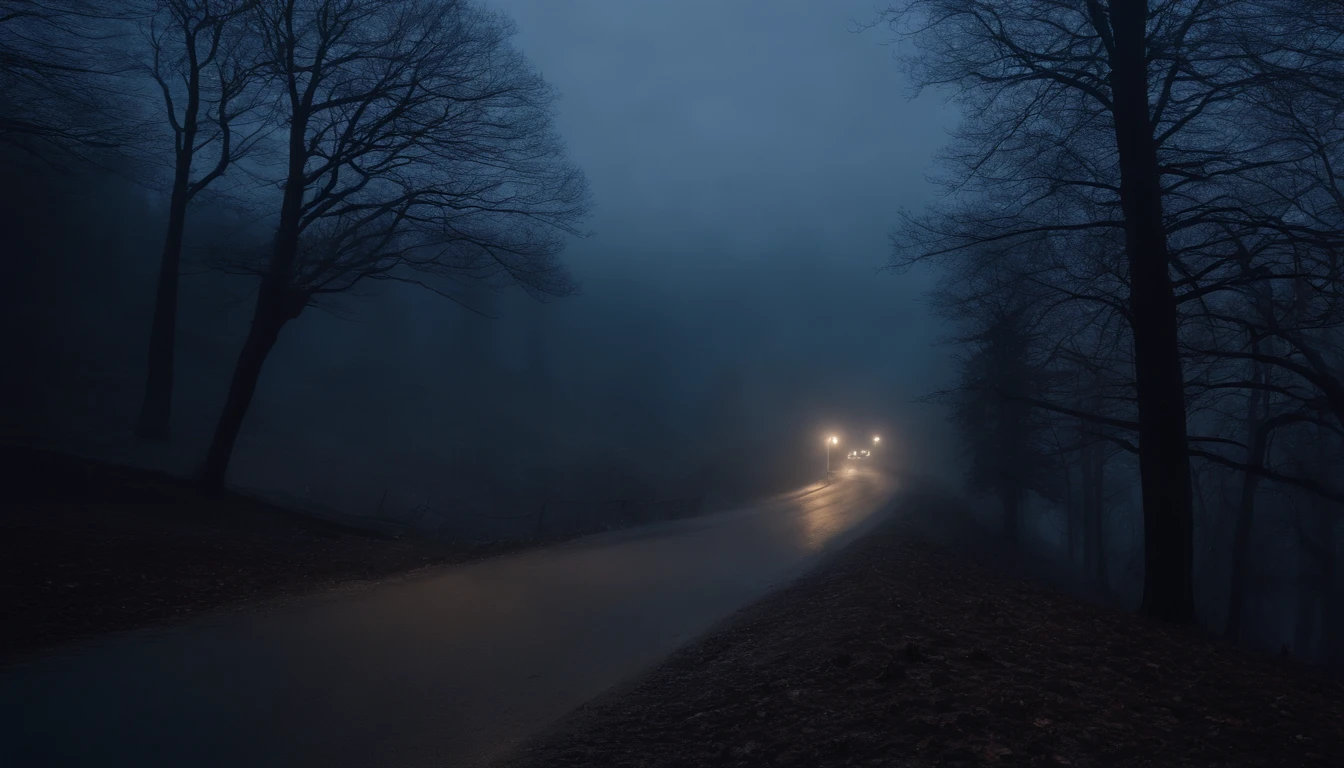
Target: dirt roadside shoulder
column 905, row 651
column 88, row 548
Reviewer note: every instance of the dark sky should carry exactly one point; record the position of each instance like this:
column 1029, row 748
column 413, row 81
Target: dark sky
column 748, row 159
column 735, row 124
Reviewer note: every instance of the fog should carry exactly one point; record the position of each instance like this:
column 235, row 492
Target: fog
column 527, row 269
column 746, row 161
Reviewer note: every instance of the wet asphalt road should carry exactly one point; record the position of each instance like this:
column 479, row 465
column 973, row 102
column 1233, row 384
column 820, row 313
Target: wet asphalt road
column 449, row 669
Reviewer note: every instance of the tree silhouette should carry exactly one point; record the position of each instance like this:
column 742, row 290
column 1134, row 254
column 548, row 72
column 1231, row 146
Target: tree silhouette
column 1006, row 439
column 419, row 149
column 204, row 63
column 57, row 100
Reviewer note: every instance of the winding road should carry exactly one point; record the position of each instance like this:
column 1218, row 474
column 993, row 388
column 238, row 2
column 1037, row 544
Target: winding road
column 447, row 669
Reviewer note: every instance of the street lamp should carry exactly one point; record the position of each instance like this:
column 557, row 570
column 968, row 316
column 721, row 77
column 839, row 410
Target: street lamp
column 830, row 441
column 876, row 439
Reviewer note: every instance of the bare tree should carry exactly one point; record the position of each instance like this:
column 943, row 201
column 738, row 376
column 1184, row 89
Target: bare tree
column 1112, row 118
column 1004, row 434
column 56, row 98
column 1067, row 390
column 419, row 148
column 206, row 67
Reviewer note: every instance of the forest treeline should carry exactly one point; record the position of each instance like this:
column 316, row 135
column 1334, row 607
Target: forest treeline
column 378, row 140
column 184, row 179
column 1139, row 243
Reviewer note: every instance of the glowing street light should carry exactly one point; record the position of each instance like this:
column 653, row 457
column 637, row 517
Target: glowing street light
column 876, row 439
column 830, row 441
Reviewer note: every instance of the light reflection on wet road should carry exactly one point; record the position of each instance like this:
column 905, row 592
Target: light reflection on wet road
column 445, row 670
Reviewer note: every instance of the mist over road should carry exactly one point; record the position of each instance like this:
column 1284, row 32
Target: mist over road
column 447, row 669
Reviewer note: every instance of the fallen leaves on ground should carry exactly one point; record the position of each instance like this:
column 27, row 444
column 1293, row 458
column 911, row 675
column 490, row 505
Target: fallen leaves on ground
column 902, row 652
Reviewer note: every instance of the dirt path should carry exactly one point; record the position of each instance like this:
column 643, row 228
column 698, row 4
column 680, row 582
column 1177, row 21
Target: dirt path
column 903, row 652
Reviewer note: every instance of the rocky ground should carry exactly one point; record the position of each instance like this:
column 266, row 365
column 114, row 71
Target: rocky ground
column 916, row 648
column 87, row 548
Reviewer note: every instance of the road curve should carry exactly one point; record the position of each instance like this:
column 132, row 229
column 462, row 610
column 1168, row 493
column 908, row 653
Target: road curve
column 451, row 669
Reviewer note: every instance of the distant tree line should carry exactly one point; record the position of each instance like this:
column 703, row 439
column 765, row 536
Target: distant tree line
column 1141, row 247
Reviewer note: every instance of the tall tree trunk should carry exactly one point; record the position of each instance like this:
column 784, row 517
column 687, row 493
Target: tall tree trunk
column 1100, row 576
column 1070, row 510
column 1331, row 653
column 1011, row 499
column 1326, row 524
column 274, row 309
column 1305, row 625
column 1241, row 544
column 1331, row 650
column 1332, row 614
column 1164, row 461
column 278, row 300
column 1087, row 500
column 157, row 405
column 1250, row 482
